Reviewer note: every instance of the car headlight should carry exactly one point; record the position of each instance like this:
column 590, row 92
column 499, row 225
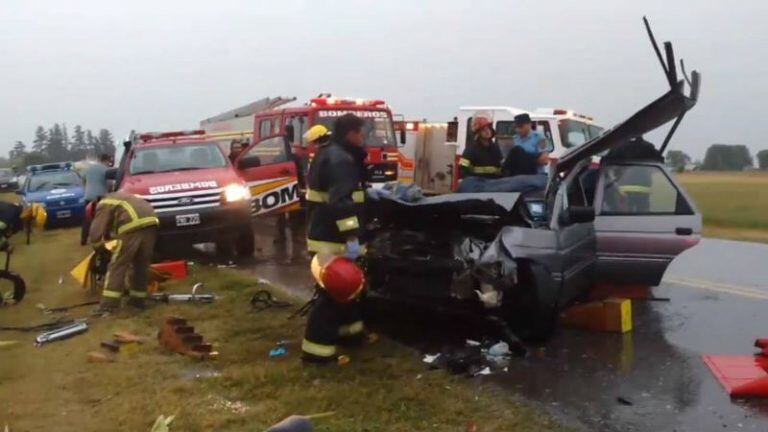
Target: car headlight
column 236, row 192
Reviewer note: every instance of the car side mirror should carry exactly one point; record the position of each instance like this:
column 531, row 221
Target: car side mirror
column 402, row 136
column 577, row 214
column 249, row 162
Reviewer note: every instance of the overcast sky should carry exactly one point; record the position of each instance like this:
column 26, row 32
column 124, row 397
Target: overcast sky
column 160, row 65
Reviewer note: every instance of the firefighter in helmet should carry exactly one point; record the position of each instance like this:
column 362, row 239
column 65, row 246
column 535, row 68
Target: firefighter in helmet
column 132, row 222
column 335, row 197
column 481, row 158
column 318, row 135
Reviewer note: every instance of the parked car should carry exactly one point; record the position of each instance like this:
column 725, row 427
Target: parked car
column 58, row 188
column 522, row 257
column 8, row 179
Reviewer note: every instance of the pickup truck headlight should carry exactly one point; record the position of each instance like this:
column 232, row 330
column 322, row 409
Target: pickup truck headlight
column 236, row 192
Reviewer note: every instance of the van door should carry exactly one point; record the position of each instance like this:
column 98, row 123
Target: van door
column 268, row 168
column 643, row 221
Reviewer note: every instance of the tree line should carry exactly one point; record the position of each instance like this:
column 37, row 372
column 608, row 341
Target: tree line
column 719, row 157
column 56, row 144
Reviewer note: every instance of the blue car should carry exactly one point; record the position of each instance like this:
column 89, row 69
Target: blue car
column 58, row 188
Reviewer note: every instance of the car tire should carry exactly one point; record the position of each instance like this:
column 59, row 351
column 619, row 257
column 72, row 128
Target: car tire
column 535, row 313
column 245, row 243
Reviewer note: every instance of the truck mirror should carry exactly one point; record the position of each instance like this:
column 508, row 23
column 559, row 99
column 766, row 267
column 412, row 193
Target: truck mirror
column 289, row 133
column 249, row 162
column 402, row 136
column 577, row 214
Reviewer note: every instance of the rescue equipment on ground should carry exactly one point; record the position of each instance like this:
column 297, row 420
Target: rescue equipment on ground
column 176, row 335
column 610, row 315
column 742, row 376
column 61, row 333
column 341, row 278
column 194, row 297
column 177, row 270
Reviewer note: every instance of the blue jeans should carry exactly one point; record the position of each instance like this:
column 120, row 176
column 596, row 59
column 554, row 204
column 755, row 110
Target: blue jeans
column 519, row 183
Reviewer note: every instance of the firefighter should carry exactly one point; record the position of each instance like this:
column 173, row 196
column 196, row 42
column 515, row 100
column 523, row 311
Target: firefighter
column 481, row 158
column 318, row 135
column 236, row 147
column 335, row 196
column 132, row 222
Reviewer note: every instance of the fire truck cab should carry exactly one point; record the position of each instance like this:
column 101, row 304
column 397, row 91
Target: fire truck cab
column 290, row 123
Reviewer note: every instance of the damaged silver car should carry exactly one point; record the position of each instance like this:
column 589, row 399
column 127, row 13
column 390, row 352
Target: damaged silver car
column 521, row 257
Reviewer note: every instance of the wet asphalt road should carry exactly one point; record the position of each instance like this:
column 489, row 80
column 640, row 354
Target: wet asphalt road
column 718, row 304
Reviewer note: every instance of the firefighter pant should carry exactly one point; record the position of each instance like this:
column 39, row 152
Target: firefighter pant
column 329, row 324
column 131, row 258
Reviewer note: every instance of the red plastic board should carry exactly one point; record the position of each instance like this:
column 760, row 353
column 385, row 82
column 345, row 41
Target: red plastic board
column 738, row 374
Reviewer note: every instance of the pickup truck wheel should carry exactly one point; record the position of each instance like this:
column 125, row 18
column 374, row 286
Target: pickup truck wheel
column 245, row 243
column 536, row 311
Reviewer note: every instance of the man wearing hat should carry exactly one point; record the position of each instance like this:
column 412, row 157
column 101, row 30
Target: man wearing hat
column 531, row 142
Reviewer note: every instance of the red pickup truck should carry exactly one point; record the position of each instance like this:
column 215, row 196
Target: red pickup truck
column 198, row 195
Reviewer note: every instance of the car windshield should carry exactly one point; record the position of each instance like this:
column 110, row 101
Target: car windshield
column 53, row 180
column 378, row 128
column 177, row 158
column 575, row 133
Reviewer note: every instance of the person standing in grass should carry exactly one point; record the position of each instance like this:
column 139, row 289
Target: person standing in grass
column 95, row 177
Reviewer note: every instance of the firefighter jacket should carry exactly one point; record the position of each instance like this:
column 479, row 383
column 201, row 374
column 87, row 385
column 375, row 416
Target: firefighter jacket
column 478, row 160
column 120, row 213
column 335, row 197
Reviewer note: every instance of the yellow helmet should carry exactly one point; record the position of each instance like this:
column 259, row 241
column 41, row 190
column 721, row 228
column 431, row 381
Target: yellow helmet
column 316, row 132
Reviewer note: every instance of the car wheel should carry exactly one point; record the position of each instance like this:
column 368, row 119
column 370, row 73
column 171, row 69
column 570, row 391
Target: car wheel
column 534, row 314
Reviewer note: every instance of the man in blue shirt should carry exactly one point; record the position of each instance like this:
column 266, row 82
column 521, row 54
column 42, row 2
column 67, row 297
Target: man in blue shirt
column 95, row 177
column 532, row 142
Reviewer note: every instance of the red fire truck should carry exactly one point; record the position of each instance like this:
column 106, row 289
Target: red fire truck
column 278, row 120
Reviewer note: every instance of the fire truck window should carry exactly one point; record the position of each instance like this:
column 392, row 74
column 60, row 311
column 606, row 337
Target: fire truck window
column 299, row 128
column 276, row 126
column 265, row 127
column 270, row 151
column 505, row 131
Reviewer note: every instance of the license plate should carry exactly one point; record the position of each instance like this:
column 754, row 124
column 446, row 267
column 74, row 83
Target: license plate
column 187, row 220
column 63, row 214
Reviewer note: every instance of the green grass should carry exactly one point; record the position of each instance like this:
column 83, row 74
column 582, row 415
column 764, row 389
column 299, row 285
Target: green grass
column 384, row 388
column 734, row 205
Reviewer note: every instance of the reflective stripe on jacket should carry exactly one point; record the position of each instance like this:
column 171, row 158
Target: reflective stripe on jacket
column 335, row 194
column 481, row 161
column 120, row 213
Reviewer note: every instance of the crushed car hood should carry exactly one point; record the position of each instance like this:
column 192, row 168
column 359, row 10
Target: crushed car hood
column 446, row 206
column 671, row 106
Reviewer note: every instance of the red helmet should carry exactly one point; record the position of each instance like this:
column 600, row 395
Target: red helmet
column 480, row 122
column 341, row 278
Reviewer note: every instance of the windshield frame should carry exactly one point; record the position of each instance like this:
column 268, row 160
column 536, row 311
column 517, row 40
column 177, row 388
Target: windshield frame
column 53, row 186
column 224, row 160
column 370, row 116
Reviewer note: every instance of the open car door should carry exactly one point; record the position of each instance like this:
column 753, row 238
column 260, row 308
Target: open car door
column 270, row 172
column 643, row 218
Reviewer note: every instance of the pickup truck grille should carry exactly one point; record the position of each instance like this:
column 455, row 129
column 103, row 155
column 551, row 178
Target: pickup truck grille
column 181, row 201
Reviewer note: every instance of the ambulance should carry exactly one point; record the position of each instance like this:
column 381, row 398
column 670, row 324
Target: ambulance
column 431, row 150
